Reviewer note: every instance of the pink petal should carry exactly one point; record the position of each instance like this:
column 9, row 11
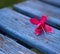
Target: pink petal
column 37, row 31
column 48, row 28
column 38, row 25
column 34, row 21
column 43, row 19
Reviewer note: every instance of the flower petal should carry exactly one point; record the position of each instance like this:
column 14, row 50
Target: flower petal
column 34, row 21
column 38, row 30
column 43, row 19
column 48, row 28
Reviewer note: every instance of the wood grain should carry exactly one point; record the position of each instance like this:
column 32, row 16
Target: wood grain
column 37, row 9
column 18, row 26
column 9, row 46
column 52, row 2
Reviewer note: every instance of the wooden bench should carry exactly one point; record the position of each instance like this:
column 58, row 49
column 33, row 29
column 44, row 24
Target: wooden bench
column 52, row 2
column 37, row 8
column 9, row 46
column 18, row 26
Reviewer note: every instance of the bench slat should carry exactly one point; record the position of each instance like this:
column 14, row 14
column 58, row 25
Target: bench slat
column 18, row 26
column 36, row 9
column 52, row 2
column 9, row 46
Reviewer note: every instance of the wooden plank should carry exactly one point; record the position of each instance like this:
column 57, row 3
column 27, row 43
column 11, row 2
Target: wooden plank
column 52, row 2
column 36, row 9
column 9, row 46
column 18, row 26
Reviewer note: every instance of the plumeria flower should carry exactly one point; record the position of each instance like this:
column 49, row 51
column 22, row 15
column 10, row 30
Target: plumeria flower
column 41, row 25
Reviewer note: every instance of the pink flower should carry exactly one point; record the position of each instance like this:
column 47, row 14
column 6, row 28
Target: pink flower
column 40, row 25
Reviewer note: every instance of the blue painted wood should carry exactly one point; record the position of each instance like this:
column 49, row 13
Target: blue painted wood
column 52, row 2
column 9, row 46
column 36, row 9
column 18, row 26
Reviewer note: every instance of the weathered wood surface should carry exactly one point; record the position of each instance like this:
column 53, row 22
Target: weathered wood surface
column 19, row 27
column 9, row 46
column 36, row 9
column 52, row 2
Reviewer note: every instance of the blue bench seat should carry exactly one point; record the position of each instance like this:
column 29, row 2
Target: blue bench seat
column 52, row 2
column 37, row 9
column 18, row 26
column 9, row 46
